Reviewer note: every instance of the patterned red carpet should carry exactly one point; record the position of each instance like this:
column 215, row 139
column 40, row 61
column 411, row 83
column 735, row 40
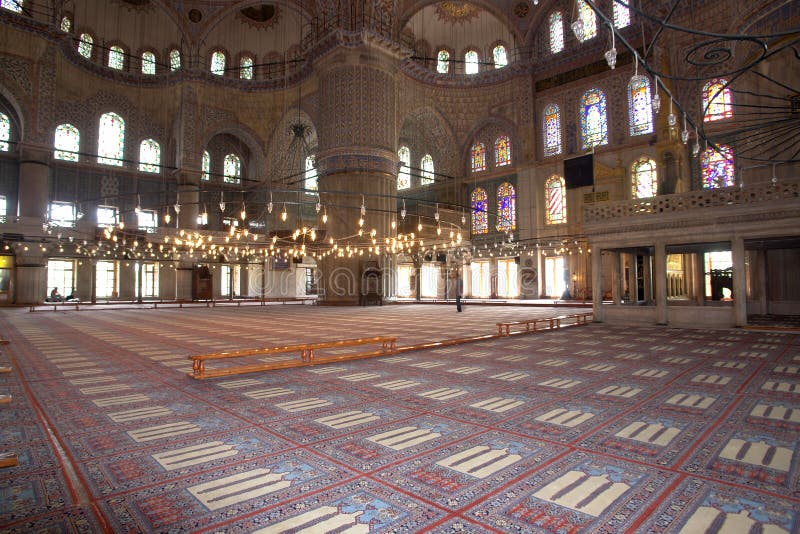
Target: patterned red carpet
column 588, row 429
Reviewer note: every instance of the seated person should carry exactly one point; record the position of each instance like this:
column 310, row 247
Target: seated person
column 55, row 296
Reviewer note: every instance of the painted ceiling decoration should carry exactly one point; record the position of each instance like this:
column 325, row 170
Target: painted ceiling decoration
column 262, row 16
column 456, row 12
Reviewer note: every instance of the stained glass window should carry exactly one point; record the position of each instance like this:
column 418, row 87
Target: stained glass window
column 556, row 33
column 218, row 63
column 500, row 56
column 85, row 45
column 232, row 169
column 148, row 63
column 13, row 5
column 552, row 130
column 246, row 68
column 480, row 217
column 311, row 175
column 589, row 19
column 5, row 132
column 174, row 60
column 426, row 164
column 594, row 124
column 66, row 24
column 717, row 103
column 478, row 156
column 443, row 62
column 640, row 109
column 67, row 142
column 149, row 156
column 206, row 166
column 622, row 15
column 555, row 200
column 506, row 207
column 502, row 151
column 717, row 168
column 116, row 57
column 111, row 140
column 644, row 179
column 404, row 176
column 471, row 62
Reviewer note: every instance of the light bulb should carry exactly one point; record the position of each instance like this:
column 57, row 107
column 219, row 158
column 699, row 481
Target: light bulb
column 419, row 227
column 577, row 29
column 671, row 119
column 403, row 214
column 324, row 217
column 283, row 213
column 656, row 102
column 611, row 58
column 696, row 147
column 318, row 207
column 222, row 206
column 167, row 218
column 685, row 136
column 243, row 214
column 361, row 221
column 177, row 208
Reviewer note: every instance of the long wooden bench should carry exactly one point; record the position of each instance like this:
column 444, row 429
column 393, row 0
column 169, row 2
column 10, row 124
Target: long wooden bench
column 304, row 350
column 532, row 325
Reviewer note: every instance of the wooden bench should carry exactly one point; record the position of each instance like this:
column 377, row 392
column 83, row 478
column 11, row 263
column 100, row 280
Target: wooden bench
column 504, row 329
column 305, row 350
column 8, row 459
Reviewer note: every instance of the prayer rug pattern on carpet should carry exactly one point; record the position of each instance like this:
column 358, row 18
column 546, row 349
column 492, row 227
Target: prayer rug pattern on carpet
column 589, row 429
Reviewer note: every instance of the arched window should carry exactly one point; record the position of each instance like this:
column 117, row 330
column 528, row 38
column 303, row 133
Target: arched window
column 640, row 108
column 111, row 140
column 506, row 208
column 644, row 179
column 717, row 168
column 174, row 60
column 311, row 184
column 85, row 44
column 232, row 169
column 66, row 24
column 502, row 151
column 471, row 62
column 556, row 32
column 589, row 19
column 13, row 5
column 478, row 157
column 552, row 130
column 67, row 142
column 443, row 62
column 480, row 217
column 116, row 57
column 427, row 170
column 500, row 56
column 246, row 68
column 717, row 104
column 555, row 200
column 206, row 166
column 149, row 156
column 5, row 132
column 404, row 176
column 594, row 123
column 218, row 63
column 622, row 15
column 148, row 63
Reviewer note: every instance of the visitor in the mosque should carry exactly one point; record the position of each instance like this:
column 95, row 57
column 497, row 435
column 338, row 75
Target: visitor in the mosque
column 55, row 296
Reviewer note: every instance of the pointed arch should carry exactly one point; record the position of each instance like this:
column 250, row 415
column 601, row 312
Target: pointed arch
column 111, row 140
column 644, row 178
column 404, row 174
column 149, row 156
column 67, row 143
column 480, row 218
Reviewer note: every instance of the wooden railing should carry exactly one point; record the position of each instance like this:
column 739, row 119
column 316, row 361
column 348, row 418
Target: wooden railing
column 544, row 323
column 306, row 351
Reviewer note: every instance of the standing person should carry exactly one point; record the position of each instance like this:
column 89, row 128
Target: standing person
column 459, row 292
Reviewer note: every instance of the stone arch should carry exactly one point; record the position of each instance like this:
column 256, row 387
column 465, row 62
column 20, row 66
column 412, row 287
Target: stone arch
column 280, row 162
column 425, row 126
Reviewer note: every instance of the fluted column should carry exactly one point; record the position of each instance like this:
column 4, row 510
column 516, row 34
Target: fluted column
column 356, row 156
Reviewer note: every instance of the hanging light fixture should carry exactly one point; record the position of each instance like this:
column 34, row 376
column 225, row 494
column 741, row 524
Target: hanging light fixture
column 221, row 202
column 685, row 132
column 283, row 213
column 419, row 223
column 403, row 211
column 671, row 119
column 325, row 216
column 436, row 215
column 696, row 146
column 611, row 54
column 243, row 213
column 656, row 100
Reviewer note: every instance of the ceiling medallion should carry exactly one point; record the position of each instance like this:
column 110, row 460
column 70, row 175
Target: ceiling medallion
column 522, row 9
column 261, row 16
column 456, row 12
column 195, row 15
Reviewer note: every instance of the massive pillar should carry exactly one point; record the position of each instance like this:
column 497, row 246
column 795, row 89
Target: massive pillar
column 739, row 281
column 31, row 276
column 34, row 183
column 356, row 158
column 662, row 312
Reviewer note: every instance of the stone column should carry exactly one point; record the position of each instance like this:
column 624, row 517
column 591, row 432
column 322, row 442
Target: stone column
column 356, row 156
column 739, row 281
column 30, row 286
column 616, row 278
column 597, row 284
column 183, row 279
column 188, row 198
column 763, row 283
column 699, row 281
column 660, row 280
column 540, row 282
column 34, row 183
column 647, row 278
